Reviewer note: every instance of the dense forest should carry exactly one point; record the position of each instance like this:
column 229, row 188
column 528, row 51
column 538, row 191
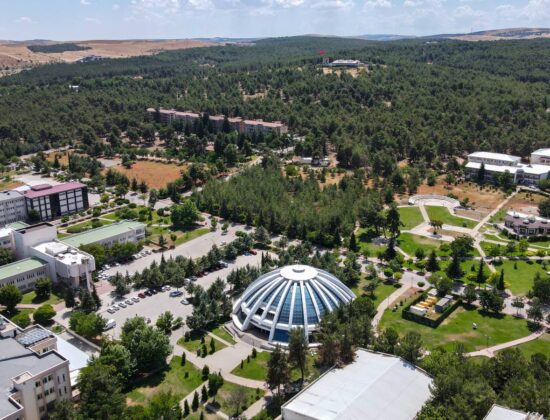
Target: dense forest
column 57, row 48
column 419, row 100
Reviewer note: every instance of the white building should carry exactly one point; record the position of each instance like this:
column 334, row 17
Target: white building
column 24, row 273
column 498, row 412
column 12, row 207
column 374, row 386
column 541, row 157
column 490, row 158
column 120, row 232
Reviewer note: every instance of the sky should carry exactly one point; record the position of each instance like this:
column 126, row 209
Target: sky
column 145, row 19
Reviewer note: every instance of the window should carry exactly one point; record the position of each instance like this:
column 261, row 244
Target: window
column 37, row 384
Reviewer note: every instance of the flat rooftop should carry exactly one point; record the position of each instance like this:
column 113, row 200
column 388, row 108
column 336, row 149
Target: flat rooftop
column 374, row 386
column 41, row 190
column 34, row 228
column 496, row 156
column 542, row 152
column 62, row 252
column 498, row 412
column 101, row 233
column 9, row 195
column 17, row 225
column 21, row 266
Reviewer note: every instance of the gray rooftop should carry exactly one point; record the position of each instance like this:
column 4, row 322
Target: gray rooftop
column 374, row 386
column 33, row 335
column 15, row 360
column 9, row 195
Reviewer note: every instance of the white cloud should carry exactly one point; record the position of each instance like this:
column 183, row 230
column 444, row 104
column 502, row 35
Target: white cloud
column 466, row 11
column 413, row 3
column 92, row 20
column 85, row 2
column 200, row 4
column 24, row 19
column 116, row 6
column 289, row 3
column 333, row 4
column 378, row 3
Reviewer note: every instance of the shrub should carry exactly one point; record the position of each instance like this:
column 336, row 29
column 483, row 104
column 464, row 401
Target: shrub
column 44, row 314
column 22, row 319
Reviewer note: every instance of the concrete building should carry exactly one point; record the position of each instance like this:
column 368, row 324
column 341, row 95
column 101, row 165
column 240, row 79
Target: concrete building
column 34, row 374
column 498, row 412
column 24, row 273
column 121, row 232
column 346, row 63
column 541, row 157
column 490, row 158
column 12, row 207
column 374, row 386
column 27, row 237
column 526, row 224
column 250, row 127
column 53, row 201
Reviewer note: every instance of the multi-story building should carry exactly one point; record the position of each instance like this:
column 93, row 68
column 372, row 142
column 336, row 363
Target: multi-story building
column 12, row 207
column 121, row 232
column 249, row 127
column 526, row 224
column 34, row 374
column 23, row 273
column 496, row 164
column 541, row 157
column 53, row 201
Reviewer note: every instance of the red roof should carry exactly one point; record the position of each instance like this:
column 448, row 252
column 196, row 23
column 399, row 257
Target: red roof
column 46, row 189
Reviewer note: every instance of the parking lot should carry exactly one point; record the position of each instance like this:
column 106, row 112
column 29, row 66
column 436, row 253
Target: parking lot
column 152, row 306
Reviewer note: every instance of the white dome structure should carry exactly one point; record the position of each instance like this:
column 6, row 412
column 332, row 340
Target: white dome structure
column 289, row 297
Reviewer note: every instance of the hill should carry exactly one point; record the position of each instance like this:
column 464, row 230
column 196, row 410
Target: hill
column 502, row 34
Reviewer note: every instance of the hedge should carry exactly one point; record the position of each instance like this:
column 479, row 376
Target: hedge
column 433, row 323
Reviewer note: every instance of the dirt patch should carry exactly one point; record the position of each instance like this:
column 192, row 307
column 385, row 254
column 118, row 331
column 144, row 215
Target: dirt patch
column 353, row 72
column 526, row 202
column 155, row 174
column 482, row 199
column 472, row 214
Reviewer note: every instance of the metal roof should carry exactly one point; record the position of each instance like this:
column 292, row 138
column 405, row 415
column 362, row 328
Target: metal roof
column 374, row 386
column 542, row 152
column 32, row 336
column 495, row 156
column 498, row 412
column 21, row 266
column 101, row 233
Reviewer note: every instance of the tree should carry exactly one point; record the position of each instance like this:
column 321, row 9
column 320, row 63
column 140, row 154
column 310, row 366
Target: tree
column 261, row 235
column 393, row 220
column 420, row 254
column 298, row 349
column 278, row 372
column 480, row 276
column 410, row 347
column 88, row 325
column 44, row 314
column 22, row 319
column 63, row 410
column 442, row 283
column 470, row 294
column 501, row 284
column 237, row 398
column 118, row 356
column 535, row 311
column 353, row 243
column 185, row 408
column 164, row 322
column 205, row 372
column 164, row 405
column 43, row 288
column 544, row 208
column 6, row 256
column 518, row 304
column 204, row 394
column 100, row 392
column 480, row 177
column 462, row 245
column 185, row 214
column 387, row 341
column 195, row 402
column 541, row 287
column 215, row 382
column 212, row 345
column 432, row 265
column 33, row 216
column 454, row 270
column 10, row 296
column 69, row 297
column 490, row 300
column 436, row 224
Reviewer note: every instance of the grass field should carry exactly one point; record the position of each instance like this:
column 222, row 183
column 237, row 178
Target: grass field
column 155, row 174
column 81, row 227
column 466, row 267
column 410, row 217
column 442, row 213
column 220, row 332
column 540, row 345
column 171, row 379
column 225, row 401
column 410, row 243
column 194, row 343
column 457, row 328
column 382, row 291
column 30, row 298
column 255, row 369
column 520, row 279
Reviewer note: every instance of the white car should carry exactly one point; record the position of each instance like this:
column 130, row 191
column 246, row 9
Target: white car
column 129, row 302
column 184, row 301
column 111, row 310
column 122, row 305
column 110, row 324
column 135, row 299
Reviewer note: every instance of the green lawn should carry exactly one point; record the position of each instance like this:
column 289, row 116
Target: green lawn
column 87, row 225
column 255, row 369
column 540, row 345
column 410, row 243
column 410, row 217
column 221, row 332
column 520, row 279
column 225, row 401
column 382, row 291
column 466, row 267
column 30, row 298
column 498, row 216
column 443, row 214
column 457, row 328
column 187, row 236
column 171, row 379
column 194, row 343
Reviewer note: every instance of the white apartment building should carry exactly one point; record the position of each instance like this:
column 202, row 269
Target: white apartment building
column 490, row 158
column 12, row 207
column 541, row 157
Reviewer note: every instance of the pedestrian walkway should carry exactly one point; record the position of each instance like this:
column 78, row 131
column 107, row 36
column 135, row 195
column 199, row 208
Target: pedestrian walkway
column 490, row 352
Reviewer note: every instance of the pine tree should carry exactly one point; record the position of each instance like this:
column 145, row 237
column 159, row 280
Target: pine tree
column 481, row 174
column 70, row 298
column 205, row 372
column 185, row 409
column 453, row 270
column 183, row 358
column 195, row 403
column 204, row 394
column 480, row 277
column 500, row 284
column 353, row 243
column 432, row 265
column 212, row 346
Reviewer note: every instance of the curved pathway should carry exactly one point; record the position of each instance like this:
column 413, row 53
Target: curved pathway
column 490, row 351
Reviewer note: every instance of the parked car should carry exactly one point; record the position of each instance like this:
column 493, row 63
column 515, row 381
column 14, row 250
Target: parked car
column 176, row 293
column 142, row 295
column 109, row 324
column 111, row 310
column 253, row 252
column 135, row 299
column 122, row 305
column 193, row 278
column 148, row 293
column 223, row 264
column 184, row 301
column 129, row 302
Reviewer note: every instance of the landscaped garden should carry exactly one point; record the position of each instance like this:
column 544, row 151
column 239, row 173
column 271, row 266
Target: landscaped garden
column 443, row 215
column 30, row 298
column 540, row 345
column 197, row 339
column 382, row 291
column 519, row 274
column 410, row 217
column 221, row 332
column 458, row 328
column 233, row 399
column 178, row 379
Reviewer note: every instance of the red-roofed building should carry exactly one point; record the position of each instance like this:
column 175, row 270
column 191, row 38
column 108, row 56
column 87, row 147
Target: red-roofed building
column 53, row 201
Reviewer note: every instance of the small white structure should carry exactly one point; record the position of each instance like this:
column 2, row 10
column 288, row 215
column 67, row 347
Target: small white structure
column 541, row 157
column 375, row 386
column 498, row 412
column 490, row 158
column 417, row 310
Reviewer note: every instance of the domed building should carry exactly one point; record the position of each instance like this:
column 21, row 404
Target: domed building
column 288, row 297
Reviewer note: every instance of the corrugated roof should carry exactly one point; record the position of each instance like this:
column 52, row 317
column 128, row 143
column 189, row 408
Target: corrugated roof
column 21, row 266
column 101, row 233
column 496, row 156
column 374, row 386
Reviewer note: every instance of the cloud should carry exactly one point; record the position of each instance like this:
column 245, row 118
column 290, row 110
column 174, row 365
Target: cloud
column 333, row 4
column 85, row 2
column 378, row 3
column 288, row 3
column 92, row 20
column 24, row 19
column 466, row 11
column 116, row 6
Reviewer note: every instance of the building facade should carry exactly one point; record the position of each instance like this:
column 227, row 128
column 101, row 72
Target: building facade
column 526, row 225
column 120, row 232
column 541, row 157
column 23, row 273
column 12, row 207
column 53, row 201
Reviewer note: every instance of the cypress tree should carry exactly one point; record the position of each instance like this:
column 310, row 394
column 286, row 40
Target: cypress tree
column 185, row 408
column 195, row 403
column 204, row 394
column 500, row 284
column 432, row 264
column 353, row 243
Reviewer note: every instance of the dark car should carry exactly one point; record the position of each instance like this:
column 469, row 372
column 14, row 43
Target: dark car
column 148, row 293
column 141, row 295
column 253, row 251
column 176, row 293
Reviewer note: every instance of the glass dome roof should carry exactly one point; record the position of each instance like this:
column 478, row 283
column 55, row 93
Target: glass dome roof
column 289, row 297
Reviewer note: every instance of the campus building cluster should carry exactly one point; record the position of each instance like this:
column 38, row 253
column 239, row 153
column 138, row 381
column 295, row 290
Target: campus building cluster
column 496, row 164
column 39, row 253
column 526, row 224
column 48, row 201
column 38, row 369
column 243, row 126
column 288, row 297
